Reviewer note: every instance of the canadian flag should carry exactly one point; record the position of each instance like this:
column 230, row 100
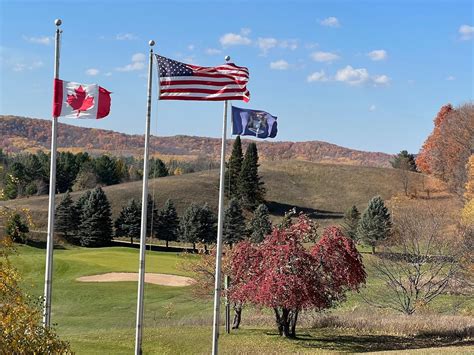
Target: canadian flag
column 76, row 100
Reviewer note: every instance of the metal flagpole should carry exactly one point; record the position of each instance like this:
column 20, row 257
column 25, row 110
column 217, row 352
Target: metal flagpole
column 48, row 275
column 220, row 224
column 141, row 276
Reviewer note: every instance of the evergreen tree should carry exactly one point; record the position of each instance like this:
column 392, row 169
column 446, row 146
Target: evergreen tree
column 66, row 220
column 260, row 224
column 190, row 225
column 128, row 222
column 251, row 187
column 234, row 223
column 96, row 223
column 375, row 224
column 66, row 171
column 16, row 228
column 404, row 161
column 208, row 227
column 350, row 223
column 234, row 166
column 157, row 168
column 106, row 170
column 167, row 223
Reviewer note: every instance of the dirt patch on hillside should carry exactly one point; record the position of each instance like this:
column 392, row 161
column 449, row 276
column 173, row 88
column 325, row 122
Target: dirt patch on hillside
column 157, row 279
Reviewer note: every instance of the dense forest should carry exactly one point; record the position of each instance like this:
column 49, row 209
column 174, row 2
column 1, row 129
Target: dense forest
column 18, row 134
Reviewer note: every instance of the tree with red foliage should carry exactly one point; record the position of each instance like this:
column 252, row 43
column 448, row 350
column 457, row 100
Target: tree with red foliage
column 282, row 274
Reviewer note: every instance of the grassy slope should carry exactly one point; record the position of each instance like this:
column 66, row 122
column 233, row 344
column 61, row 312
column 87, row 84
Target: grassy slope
column 311, row 186
column 100, row 318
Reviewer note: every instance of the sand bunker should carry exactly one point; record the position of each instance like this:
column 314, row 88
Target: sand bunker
column 157, row 279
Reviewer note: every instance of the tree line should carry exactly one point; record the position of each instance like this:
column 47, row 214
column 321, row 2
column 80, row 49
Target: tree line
column 88, row 222
column 27, row 174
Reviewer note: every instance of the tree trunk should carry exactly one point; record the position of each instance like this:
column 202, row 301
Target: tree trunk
column 373, row 249
column 278, row 321
column 237, row 315
column 131, row 240
column 205, row 248
column 167, row 243
column 293, row 320
column 194, row 247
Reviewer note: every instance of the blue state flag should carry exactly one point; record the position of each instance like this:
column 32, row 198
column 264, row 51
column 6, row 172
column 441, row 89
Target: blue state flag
column 255, row 123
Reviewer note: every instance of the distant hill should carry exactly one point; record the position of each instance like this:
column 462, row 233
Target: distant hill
column 324, row 191
column 28, row 134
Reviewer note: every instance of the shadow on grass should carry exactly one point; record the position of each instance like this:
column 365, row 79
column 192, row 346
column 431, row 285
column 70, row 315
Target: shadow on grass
column 279, row 209
column 366, row 343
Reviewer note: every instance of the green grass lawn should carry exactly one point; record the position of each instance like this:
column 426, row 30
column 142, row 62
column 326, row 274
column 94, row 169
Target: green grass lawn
column 100, row 317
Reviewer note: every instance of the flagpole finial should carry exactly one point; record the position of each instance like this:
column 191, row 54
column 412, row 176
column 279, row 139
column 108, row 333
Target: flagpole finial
column 227, row 58
column 151, row 43
column 58, row 22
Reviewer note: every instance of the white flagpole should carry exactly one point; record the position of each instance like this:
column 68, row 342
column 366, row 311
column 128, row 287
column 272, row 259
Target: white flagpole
column 48, row 275
column 141, row 276
column 220, row 224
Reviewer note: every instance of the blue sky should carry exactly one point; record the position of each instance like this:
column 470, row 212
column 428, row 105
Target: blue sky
column 368, row 75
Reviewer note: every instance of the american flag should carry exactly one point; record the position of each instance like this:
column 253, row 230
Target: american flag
column 180, row 81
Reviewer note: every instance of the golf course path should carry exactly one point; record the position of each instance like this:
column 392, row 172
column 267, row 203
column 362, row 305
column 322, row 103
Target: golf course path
column 157, row 279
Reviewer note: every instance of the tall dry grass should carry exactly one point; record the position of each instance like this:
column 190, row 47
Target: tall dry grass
column 428, row 325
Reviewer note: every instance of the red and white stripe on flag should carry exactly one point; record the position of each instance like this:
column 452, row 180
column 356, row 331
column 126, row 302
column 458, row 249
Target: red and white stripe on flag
column 76, row 100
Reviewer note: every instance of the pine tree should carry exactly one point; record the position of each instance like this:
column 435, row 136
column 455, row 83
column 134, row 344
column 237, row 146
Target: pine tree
column 106, row 170
column 96, row 223
column 234, row 166
column 190, row 223
column 260, row 224
column 128, row 222
column 404, row 161
column 208, row 227
column 17, row 228
column 375, row 224
column 157, row 168
column 167, row 223
column 350, row 223
column 67, row 220
column 234, row 223
column 251, row 187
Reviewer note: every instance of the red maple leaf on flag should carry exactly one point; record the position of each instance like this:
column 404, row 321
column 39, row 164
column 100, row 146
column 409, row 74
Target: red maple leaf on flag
column 80, row 101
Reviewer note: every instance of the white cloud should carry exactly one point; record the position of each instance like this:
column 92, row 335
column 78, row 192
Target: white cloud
column 381, row 79
column 324, row 56
column 466, row 32
column 108, row 74
column 245, row 31
column 372, row 108
column 138, row 63
column 378, row 54
column 125, row 37
column 266, row 43
column 450, row 77
column 191, row 47
column 213, row 51
column 233, row 39
column 317, row 76
column 92, row 71
column 291, row 44
column 138, row 57
column 19, row 67
column 279, row 65
column 189, row 59
column 330, row 22
column 352, row 76
column 44, row 40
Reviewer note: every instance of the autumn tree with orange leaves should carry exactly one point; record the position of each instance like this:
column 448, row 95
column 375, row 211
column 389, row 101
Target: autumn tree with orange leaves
column 447, row 150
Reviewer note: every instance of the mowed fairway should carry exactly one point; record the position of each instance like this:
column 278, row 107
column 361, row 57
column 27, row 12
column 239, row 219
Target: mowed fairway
column 100, row 317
